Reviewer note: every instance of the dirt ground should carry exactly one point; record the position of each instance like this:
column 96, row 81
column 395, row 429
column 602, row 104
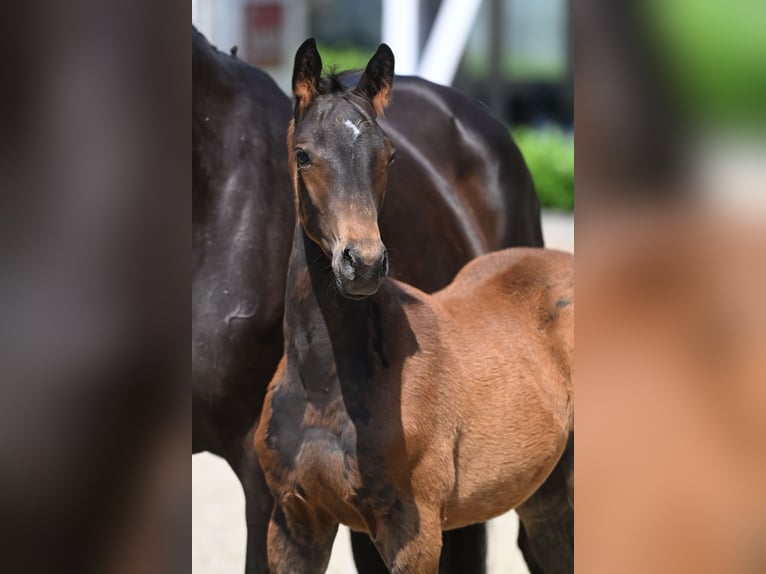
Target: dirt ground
column 218, row 518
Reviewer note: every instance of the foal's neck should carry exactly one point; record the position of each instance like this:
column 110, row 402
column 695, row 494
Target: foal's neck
column 331, row 340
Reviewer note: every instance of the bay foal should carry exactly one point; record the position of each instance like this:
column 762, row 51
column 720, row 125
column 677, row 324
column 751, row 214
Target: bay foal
column 394, row 412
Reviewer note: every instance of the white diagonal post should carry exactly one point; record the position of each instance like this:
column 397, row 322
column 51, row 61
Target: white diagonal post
column 401, row 31
column 448, row 39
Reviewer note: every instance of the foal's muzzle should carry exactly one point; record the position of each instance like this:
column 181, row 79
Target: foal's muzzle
column 360, row 268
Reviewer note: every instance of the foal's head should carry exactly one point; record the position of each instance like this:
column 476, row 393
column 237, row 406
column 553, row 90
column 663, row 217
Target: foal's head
column 339, row 159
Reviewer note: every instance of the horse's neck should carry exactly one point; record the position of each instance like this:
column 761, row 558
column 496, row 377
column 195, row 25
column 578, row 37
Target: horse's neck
column 206, row 67
column 210, row 95
column 214, row 89
column 326, row 335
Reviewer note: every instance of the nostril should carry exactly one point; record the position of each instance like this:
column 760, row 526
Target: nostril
column 347, row 257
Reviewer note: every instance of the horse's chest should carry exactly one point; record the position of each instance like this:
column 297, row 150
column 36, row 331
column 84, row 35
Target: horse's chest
column 320, row 460
column 327, row 472
column 308, row 439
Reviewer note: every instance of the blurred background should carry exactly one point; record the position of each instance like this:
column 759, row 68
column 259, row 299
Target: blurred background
column 515, row 56
column 671, row 272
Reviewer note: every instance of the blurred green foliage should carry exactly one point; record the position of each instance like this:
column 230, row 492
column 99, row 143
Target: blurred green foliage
column 549, row 153
column 344, row 57
column 515, row 68
column 716, row 52
column 354, row 58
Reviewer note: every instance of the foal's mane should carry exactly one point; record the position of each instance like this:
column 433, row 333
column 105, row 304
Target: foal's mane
column 335, row 82
column 331, row 83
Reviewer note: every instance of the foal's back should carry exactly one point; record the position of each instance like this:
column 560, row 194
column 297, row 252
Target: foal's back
column 515, row 290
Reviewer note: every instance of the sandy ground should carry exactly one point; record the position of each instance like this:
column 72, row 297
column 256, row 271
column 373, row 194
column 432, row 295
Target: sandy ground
column 218, row 521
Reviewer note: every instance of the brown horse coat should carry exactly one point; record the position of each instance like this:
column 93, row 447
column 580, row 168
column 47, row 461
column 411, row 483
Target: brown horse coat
column 468, row 410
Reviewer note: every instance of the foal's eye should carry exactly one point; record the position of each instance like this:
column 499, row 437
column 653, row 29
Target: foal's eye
column 302, row 158
column 392, row 158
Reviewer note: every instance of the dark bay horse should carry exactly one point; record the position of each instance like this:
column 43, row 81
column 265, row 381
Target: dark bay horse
column 458, row 186
column 397, row 413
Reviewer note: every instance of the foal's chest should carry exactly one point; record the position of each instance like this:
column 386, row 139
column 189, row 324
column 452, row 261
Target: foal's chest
column 317, row 458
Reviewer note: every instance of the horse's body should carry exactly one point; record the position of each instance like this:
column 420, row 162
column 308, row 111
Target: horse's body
column 410, row 413
column 459, row 188
column 398, row 413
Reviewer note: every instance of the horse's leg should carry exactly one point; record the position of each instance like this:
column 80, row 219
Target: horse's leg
column 300, row 539
column 258, row 506
column 527, row 552
column 366, row 556
column 464, row 551
column 412, row 545
column 546, row 529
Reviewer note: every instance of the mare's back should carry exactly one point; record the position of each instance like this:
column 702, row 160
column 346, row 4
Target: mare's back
column 475, row 153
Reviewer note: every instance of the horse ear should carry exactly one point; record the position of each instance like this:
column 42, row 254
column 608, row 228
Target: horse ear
column 306, row 73
column 375, row 83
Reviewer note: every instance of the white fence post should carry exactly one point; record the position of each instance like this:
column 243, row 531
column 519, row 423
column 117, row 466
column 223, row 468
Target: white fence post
column 400, row 23
column 448, row 39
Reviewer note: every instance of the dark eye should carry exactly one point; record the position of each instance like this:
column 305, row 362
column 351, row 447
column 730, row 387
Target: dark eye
column 302, row 158
column 392, row 158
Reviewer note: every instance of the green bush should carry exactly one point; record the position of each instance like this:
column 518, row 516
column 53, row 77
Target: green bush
column 549, row 153
column 340, row 58
column 714, row 53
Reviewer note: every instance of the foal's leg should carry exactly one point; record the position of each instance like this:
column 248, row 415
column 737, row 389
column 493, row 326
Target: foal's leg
column 546, row 529
column 464, row 551
column 412, row 545
column 300, row 539
column 366, row 555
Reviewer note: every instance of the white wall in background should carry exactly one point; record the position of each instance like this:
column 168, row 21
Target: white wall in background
column 266, row 32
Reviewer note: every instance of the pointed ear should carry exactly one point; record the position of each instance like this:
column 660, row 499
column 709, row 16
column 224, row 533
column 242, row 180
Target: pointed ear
column 306, row 73
column 375, row 83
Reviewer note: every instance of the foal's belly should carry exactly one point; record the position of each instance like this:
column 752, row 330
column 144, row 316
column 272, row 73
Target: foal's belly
column 486, row 487
column 484, row 505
